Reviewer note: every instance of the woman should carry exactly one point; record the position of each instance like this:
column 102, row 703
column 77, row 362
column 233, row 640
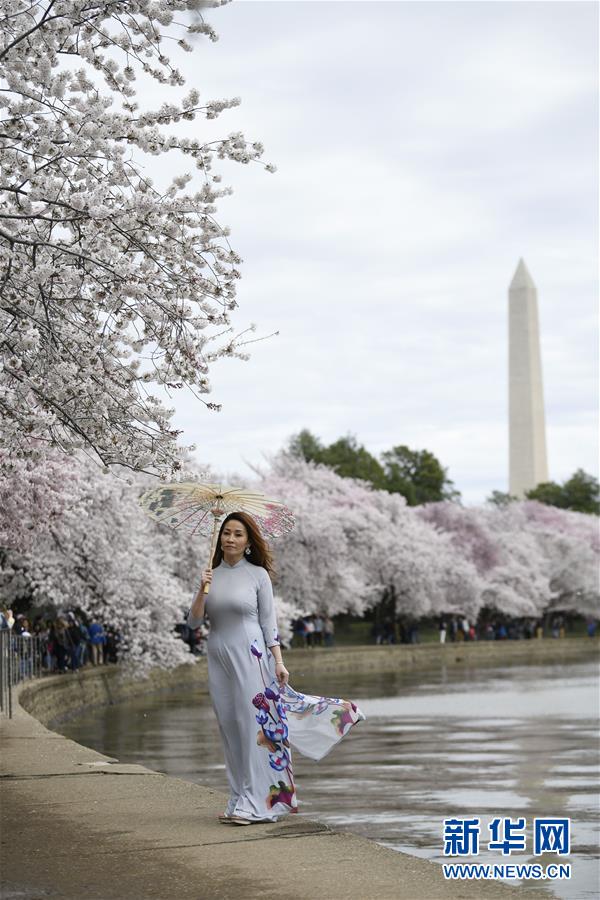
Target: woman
column 258, row 712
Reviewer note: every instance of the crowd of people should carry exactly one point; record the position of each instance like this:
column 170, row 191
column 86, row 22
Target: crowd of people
column 456, row 629
column 318, row 631
column 460, row 629
column 314, row 631
column 308, row 631
column 67, row 642
column 70, row 641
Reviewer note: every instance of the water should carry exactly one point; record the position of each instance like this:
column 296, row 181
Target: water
column 520, row 741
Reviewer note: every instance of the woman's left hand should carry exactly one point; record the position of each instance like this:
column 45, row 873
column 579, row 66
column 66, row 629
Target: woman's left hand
column 281, row 673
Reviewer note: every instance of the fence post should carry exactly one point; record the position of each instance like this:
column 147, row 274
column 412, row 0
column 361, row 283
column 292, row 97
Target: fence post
column 9, row 672
column 2, row 676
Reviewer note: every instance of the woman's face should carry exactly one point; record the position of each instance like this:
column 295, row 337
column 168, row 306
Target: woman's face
column 234, row 538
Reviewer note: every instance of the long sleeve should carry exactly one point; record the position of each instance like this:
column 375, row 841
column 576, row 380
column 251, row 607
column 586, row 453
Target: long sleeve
column 191, row 622
column 266, row 610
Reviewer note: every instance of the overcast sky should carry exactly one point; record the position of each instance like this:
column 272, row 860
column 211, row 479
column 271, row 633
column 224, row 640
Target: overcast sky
column 422, row 148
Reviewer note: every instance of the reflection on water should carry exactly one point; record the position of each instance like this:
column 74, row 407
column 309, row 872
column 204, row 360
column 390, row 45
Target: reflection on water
column 521, row 741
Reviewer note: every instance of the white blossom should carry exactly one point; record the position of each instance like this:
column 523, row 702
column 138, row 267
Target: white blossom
column 96, row 263
column 72, row 537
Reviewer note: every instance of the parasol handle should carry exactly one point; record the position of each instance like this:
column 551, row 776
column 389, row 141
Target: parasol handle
column 213, row 544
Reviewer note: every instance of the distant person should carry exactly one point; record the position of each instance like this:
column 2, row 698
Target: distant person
column 309, row 631
column 453, row 629
column 97, row 640
column 113, row 639
column 413, row 633
column 84, row 643
column 19, row 625
column 389, row 631
column 47, row 644
column 74, row 638
column 442, row 630
column 328, row 631
column 300, row 631
column 60, row 639
column 25, row 649
column 318, row 635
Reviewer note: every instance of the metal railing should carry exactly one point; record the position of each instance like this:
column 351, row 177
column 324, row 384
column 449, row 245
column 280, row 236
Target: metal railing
column 20, row 660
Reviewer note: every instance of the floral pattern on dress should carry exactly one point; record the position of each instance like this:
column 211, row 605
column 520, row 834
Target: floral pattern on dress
column 344, row 714
column 312, row 725
column 273, row 736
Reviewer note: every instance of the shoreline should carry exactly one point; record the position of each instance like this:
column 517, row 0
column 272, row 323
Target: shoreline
column 59, row 697
column 79, row 825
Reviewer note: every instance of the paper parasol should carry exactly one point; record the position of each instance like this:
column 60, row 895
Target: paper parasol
column 197, row 507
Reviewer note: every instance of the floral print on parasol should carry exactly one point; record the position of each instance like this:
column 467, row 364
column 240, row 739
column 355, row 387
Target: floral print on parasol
column 198, row 507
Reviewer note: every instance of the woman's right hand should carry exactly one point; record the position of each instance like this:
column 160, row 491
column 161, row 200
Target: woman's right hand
column 206, row 576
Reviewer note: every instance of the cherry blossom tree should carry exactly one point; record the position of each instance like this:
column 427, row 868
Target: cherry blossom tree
column 320, row 566
column 519, row 585
column 508, row 561
column 509, row 566
column 33, row 496
column 100, row 554
column 467, row 531
column 569, row 545
column 108, row 284
column 530, row 555
column 72, row 538
column 352, row 544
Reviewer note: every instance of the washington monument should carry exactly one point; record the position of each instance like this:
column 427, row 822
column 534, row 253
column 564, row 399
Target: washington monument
column 528, row 464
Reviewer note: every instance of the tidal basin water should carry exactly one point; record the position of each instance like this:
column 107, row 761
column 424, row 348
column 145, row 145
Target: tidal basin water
column 520, row 741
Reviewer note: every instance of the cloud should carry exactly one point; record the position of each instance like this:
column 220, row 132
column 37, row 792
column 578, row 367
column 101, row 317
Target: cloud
column 422, row 149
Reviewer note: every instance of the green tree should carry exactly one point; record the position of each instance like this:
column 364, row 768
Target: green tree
column 500, row 498
column 580, row 493
column 417, row 475
column 548, row 492
column 306, row 445
column 583, row 492
column 351, row 460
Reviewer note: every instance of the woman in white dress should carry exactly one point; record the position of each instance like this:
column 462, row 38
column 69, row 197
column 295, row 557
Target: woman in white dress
column 259, row 714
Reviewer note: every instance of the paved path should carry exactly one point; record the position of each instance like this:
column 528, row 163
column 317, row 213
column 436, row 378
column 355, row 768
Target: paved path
column 77, row 825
